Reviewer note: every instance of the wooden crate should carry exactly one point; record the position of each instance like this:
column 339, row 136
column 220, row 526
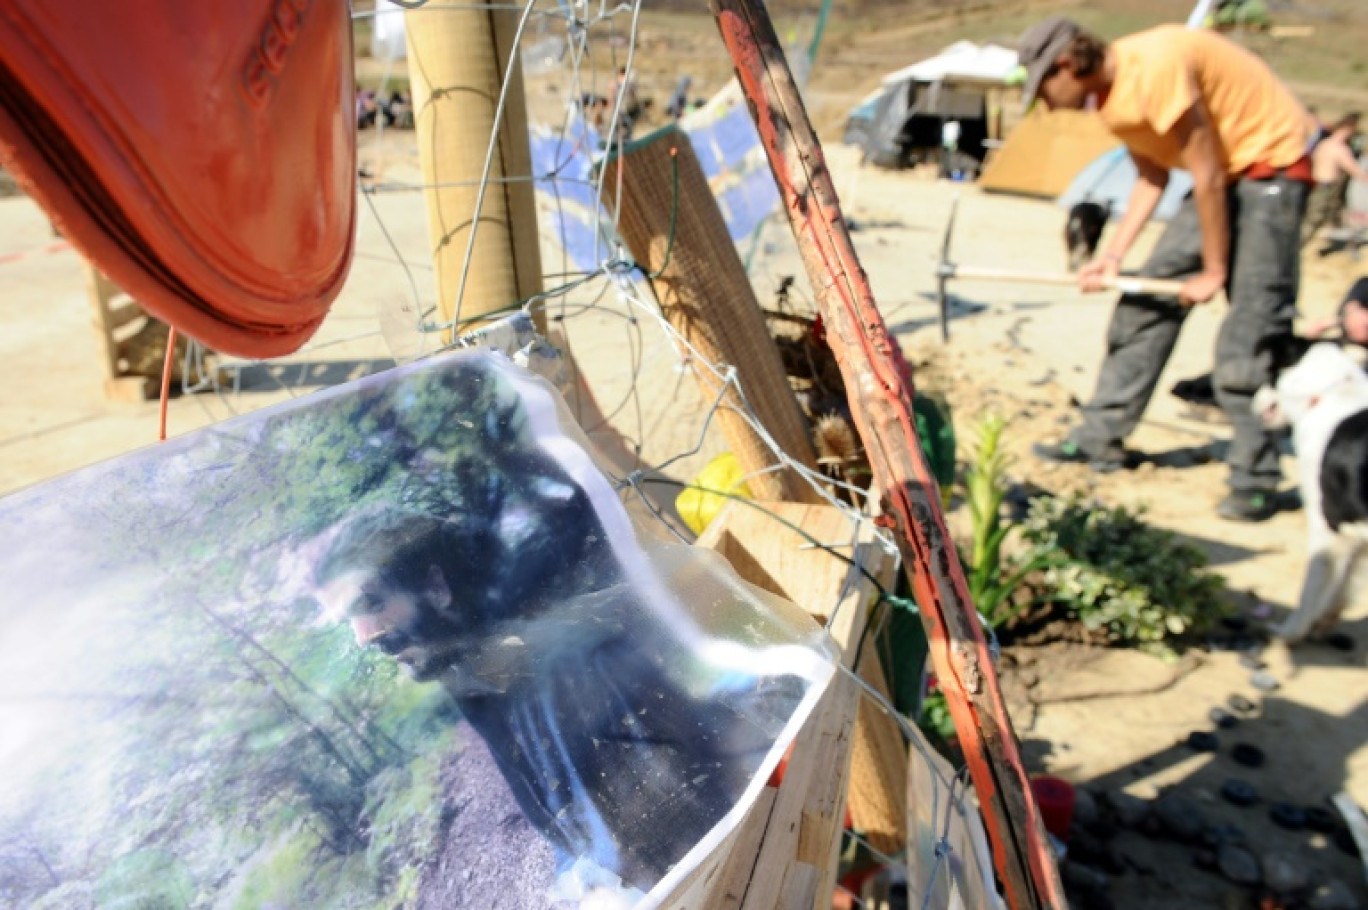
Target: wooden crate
column 784, row 853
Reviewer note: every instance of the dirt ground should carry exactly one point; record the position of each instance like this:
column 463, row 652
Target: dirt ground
column 1107, row 719
column 1028, row 354
column 1024, row 353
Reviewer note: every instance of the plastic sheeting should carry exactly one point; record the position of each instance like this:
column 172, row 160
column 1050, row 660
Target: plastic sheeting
column 398, row 643
column 388, row 39
column 963, row 61
column 1110, row 178
column 728, row 148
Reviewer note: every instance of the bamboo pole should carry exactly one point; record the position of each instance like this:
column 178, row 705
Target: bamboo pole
column 458, row 57
column 881, row 389
column 676, row 233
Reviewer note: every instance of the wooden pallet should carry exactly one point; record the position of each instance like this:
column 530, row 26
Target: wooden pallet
column 116, row 317
column 132, row 344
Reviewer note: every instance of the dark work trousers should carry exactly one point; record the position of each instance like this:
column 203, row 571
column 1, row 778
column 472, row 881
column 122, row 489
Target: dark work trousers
column 1265, row 228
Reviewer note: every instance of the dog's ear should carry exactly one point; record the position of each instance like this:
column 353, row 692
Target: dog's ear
column 1283, row 352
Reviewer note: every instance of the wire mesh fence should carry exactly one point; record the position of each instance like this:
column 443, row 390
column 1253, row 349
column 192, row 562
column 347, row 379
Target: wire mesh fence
column 578, row 65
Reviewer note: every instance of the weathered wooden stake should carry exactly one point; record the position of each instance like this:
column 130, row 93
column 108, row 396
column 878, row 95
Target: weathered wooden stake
column 880, row 385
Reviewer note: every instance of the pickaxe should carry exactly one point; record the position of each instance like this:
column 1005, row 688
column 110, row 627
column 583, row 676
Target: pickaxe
column 946, row 270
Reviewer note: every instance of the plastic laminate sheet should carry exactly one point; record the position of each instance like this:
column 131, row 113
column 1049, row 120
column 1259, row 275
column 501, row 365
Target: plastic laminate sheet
column 395, row 644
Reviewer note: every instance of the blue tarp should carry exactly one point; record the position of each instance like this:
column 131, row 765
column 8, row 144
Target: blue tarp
column 563, row 165
column 725, row 143
column 727, row 148
column 748, row 203
column 1110, row 178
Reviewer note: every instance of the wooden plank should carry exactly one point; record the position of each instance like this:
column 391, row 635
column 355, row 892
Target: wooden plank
column 878, row 786
column 111, row 310
column 739, row 866
column 100, row 294
column 721, row 882
column 782, row 561
column 672, row 224
column 809, row 797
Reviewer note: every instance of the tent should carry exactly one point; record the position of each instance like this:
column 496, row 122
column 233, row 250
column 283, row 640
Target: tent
column 1046, row 152
column 900, row 123
column 1109, row 179
column 963, row 62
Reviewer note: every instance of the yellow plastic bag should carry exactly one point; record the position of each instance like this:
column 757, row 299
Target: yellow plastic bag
column 697, row 505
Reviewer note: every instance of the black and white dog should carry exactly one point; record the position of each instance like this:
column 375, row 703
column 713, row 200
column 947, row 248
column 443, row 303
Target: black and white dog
column 1324, row 398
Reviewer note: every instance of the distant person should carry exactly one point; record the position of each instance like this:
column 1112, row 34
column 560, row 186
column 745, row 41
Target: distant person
column 595, row 109
column 1333, row 164
column 628, row 102
column 950, row 139
column 1351, row 320
column 1189, row 98
column 679, row 99
column 399, row 110
column 367, row 108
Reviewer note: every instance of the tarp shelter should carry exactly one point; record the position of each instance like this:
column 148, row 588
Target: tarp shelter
column 1110, row 178
column 903, row 118
column 1046, row 151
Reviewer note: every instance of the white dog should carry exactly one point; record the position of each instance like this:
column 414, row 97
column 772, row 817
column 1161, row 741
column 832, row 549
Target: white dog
column 1324, row 397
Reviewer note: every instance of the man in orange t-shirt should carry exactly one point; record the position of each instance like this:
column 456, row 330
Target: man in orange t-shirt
column 1191, row 99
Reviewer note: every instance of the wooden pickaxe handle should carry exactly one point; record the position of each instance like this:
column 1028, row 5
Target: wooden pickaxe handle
column 1126, row 284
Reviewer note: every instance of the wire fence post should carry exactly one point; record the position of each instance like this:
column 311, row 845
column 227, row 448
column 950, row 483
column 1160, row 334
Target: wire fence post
column 470, row 117
column 880, row 386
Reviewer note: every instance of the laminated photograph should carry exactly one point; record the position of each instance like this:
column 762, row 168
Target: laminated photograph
column 394, row 644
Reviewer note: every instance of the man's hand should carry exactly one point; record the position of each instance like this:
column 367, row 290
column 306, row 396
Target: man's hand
column 1201, row 288
column 1102, row 272
column 1098, row 275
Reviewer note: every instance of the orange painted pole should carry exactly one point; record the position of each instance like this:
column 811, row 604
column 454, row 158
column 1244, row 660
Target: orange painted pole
column 880, row 386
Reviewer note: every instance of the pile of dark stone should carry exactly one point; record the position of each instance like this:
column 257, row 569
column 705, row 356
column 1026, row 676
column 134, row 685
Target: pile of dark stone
column 1273, row 878
column 1267, row 877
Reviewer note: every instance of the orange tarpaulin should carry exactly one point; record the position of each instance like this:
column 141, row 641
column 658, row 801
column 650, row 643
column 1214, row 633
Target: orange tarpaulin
column 1045, row 152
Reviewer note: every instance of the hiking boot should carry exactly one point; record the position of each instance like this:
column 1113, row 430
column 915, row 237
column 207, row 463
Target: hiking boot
column 1248, row 505
column 1068, row 452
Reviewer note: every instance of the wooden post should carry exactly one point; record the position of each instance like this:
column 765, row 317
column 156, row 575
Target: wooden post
column 676, row 233
column 124, row 333
column 458, row 56
column 880, row 385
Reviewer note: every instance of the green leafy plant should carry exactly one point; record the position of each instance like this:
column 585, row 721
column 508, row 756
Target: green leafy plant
column 994, row 578
column 935, row 720
column 1120, row 576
